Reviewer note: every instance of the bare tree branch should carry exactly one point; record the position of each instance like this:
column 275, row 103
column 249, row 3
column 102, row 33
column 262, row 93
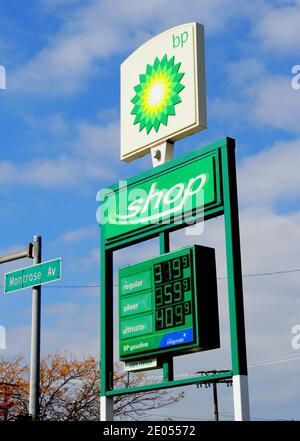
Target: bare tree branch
column 70, row 390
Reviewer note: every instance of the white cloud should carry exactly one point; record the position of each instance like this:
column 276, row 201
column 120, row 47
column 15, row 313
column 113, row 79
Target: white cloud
column 98, row 141
column 99, row 29
column 271, row 175
column 93, row 155
column 88, row 262
column 45, row 173
column 270, row 242
column 245, row 72
column 278, row 28
column 277, row 104
column 79, row 234
column 50, row 5
column 257, row 96
column 71, row 327
column 53, row 123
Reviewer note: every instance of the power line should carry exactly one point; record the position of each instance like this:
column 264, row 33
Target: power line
column 204, row 416
column 271, row 273
column 193, row 418
column 275, row 360
column 226, row 415
column 254, row 364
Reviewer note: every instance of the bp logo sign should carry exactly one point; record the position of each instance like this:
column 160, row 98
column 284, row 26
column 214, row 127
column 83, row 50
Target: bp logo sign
column 157, row 94
column 163, row 90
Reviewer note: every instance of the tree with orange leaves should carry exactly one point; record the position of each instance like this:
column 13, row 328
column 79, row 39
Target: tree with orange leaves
column 69, row 390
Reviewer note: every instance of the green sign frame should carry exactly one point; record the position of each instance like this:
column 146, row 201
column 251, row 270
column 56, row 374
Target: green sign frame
column 223, row 201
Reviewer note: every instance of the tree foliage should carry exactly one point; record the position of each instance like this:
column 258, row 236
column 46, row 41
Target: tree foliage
column 69, row 390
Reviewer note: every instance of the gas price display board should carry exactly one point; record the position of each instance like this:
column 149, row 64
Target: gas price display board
column 168, row 304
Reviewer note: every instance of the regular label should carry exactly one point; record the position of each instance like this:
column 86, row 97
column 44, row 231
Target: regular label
column 135, row 282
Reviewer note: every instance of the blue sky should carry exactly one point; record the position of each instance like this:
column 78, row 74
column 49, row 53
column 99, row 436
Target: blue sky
column 59, row 144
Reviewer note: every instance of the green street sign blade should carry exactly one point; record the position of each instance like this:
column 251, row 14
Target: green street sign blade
column 34, row 275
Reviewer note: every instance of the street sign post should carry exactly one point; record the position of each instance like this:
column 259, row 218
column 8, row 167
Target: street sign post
column 35, row 354
column 34, row 275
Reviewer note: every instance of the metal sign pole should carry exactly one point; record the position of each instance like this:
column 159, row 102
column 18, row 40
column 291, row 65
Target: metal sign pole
column 215, row 396
column 34, row 393
column 106, row 333
column 235, row 287
column 160, row 155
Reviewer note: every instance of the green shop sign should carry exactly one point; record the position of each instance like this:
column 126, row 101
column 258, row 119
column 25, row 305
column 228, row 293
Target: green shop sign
column 171, row 194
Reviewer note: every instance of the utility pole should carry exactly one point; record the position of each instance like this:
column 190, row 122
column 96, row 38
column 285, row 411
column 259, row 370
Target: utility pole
column 214, row 383
column 215, row 395
column 34, row 391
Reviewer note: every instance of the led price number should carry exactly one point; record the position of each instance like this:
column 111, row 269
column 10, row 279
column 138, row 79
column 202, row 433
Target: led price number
column 170, row 287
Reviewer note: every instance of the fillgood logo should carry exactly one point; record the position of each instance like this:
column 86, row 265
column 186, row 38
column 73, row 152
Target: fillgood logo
column 158, row 204
column 177, row 338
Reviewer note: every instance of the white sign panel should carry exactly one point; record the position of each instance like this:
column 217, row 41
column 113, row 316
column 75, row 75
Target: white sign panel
column 141, row 365
column 163, row 90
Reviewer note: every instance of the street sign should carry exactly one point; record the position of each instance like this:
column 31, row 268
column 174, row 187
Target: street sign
column 34, row 275
column 163, row 90
column 174, row 193
column 169, row 304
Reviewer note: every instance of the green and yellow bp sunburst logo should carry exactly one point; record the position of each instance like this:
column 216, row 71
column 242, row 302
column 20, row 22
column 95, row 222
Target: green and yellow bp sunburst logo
column 157, row 94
